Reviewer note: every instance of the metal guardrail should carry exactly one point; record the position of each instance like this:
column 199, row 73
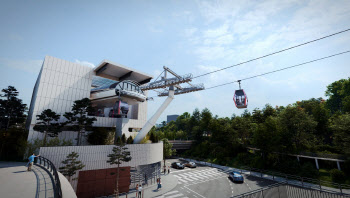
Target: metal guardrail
column 283, row 189
column 281, row 177
column 324, row 155
column 49, row 166
column 293, row 179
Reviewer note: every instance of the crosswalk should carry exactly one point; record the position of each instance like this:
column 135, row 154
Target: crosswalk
column 192, row 177
column 173, row 194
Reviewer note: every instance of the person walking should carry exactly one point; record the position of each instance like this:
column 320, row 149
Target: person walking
column 159, row 185
column 164, row 169
column 31, row 161
column 168, row 169
column 140, row 191
column 146, row 182
column 137, row 189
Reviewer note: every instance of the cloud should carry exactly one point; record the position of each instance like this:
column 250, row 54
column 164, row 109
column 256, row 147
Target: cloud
column 86, row 63
column 189, row 32
column 31, row 66
column 155, row 29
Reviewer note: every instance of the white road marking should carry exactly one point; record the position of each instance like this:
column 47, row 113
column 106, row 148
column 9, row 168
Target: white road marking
column 173, row 196
column 188, row 191
column 171, row 192
column 194, row 192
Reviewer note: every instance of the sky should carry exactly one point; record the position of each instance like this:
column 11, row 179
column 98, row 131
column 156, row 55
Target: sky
column 187, row 36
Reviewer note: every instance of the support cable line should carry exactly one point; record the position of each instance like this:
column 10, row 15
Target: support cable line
column 286, row 49
column 270, row 72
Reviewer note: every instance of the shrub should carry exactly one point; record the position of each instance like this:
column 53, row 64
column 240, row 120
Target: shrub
column 346, row 167
column 309, row 170
column 244, row 158
column 100, row 136
column 337, row 175
column 257, row 162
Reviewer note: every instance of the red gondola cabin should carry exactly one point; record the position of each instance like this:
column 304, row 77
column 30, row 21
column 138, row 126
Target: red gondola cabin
column 240, row 99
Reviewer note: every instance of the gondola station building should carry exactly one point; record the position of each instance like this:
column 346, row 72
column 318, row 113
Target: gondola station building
column 119, row 103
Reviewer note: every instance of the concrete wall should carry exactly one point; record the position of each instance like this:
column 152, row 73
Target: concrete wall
column 95, row 157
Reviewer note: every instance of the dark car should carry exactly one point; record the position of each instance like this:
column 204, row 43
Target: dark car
column 190, row 164
column 177, row 165
column 236, row 176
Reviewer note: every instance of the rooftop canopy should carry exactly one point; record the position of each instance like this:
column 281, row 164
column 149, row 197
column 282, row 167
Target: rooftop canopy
column 118, row 72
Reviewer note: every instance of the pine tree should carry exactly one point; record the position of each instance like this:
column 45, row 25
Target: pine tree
column 78, row 117
column 130, row 140
column 123, row 138
column 72, row 165
column 48, row 124
column 119, row 155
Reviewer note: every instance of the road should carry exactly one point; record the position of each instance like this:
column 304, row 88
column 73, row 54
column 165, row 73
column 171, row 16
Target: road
column 208, row 182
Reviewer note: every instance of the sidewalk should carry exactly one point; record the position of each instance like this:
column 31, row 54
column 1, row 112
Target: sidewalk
column 169, row 182
column 16, row 181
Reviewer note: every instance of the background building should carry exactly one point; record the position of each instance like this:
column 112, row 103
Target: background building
column 110, row 86
column 170, row 118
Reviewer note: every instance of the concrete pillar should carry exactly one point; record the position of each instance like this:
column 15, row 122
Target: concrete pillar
column 317, row 164
column 122, row 126
column 338, row 164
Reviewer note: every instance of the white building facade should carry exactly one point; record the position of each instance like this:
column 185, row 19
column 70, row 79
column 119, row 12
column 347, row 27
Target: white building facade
column 61, row 82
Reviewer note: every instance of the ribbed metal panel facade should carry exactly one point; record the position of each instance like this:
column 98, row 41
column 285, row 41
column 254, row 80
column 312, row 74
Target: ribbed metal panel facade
column 95, row 157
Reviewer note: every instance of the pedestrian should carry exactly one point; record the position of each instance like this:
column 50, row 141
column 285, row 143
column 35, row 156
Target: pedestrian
column 164, row 169
column 159, row 186
column 168, row 169
column 146, row 182
column 140, row 191
column 31, row 161
column 137, row 189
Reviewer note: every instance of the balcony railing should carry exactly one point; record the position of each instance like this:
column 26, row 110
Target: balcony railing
column 49, row 166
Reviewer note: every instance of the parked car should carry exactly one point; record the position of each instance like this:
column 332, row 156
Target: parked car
column 236, row 176
column 177, row 165
column 190, row 164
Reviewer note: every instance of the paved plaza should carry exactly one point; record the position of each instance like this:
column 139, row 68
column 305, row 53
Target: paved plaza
column 16, row 181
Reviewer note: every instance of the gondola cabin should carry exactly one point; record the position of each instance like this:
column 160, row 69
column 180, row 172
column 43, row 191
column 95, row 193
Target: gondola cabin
column 120, row 110
column 240, row 99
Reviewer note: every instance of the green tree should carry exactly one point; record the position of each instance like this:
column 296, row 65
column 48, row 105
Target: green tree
column 119, row 154
column 130, row 140
column 12, row 110
column 341, row 127
column 167, row 149
column 153, row 137
column 48, row 124
column 267, row 137
column 297, row 129
column 71, row 165
column 12, row 115
column 123, row 138
column 338, row 93
column 13, row 143
column 79, row 118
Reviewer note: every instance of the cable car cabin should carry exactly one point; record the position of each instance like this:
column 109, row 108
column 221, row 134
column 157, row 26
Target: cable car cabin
column 240, row 99
column 120, row 110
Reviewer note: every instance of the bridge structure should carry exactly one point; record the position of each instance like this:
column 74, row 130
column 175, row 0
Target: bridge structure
column 181, row 144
